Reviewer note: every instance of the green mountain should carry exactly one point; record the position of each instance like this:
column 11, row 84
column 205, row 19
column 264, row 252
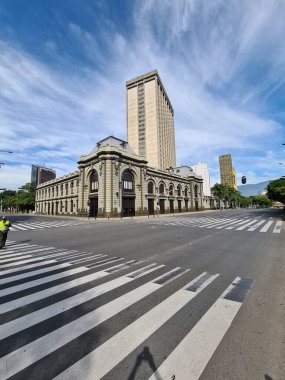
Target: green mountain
column 256, row 189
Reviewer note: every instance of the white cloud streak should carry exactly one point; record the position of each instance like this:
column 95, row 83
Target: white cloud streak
column 221, row 63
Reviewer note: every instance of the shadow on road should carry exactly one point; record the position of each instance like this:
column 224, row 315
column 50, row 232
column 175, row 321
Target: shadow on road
column 145, row 356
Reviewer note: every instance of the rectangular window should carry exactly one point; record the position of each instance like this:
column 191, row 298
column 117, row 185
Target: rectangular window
column 128, row 185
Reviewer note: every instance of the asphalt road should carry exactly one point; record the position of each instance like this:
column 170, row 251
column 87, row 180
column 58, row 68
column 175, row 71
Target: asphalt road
column 150, row 325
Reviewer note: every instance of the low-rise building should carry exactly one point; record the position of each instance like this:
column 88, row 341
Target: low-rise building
column 112, row 181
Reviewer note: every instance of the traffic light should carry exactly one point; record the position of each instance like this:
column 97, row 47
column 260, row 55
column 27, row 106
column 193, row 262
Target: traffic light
column 243, row 179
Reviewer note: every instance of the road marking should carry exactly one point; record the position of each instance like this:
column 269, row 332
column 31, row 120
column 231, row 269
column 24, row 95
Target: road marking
column 14, row 270
column 254, row 227
column 190, row 357
column 145, row 270
column 100, row 361
column 170, row 276
column 23, row 301
column 44, row 280
column 266, row 227
column 277, row 228
column 22, row 262
column 235, row 222
column 246, row 225
column 11, row 260
column 34, row 273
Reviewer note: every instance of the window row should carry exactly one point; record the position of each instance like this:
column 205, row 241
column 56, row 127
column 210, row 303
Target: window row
column 55, row 191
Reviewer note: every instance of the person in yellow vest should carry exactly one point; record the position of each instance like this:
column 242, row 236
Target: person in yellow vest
column 4, row 229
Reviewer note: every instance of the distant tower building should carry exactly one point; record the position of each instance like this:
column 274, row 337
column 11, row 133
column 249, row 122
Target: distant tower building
column 150, row 121
column 202, row 170
column 41, row 174
column 227, row 172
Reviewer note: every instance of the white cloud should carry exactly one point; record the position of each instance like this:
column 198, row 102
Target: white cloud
column 220, row 62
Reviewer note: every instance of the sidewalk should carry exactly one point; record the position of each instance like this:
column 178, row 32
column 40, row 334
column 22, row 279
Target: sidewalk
column 140, row 217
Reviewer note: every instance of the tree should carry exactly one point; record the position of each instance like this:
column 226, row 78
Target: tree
column 23, row 199
column 261, row 201
column 276, row 190
column 26, row 197
column 220, row 191
column 245, row 201
column 226, row 193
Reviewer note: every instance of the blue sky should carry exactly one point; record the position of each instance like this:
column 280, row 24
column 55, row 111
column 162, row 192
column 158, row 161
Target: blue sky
column 64, row 64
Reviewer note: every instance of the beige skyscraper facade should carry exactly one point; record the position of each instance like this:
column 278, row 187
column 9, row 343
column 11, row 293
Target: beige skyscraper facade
column 150, row 121
column 227, row 172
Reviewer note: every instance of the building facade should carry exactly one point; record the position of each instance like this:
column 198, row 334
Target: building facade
column 150, row 121
column 227, row 172
column 41, row 174
column 202, row 170
column 112, row 181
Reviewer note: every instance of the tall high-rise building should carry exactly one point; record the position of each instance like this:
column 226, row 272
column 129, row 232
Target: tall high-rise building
column 227, row 172
column 203, row 170
column 150, row 121
column 41, row 174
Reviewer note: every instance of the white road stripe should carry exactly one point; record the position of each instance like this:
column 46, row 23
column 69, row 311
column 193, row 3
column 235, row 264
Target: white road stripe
column 277, row 228
column 101, row 360
column 38, row 316
column 22, row 262
column 15, row 247
column 33, row 273
column 25, row 226
column 19, row 269
column 246, row 225
column 199, row 344
column 229, row 224
column 27, row 355
column 237, row 224
column 220, row 222
column 254, row 227
column 19, row 227
column 23, row 301
column 12, row 259
column 19, row 255
column 44, row 280
column 266, row 227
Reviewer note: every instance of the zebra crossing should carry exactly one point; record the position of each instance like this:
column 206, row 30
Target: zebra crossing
column 238, row 224
column 54, row 304
column 28, row 226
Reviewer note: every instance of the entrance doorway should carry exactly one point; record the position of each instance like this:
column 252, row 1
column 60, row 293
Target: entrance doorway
column 150, row 203
column 179, row 206
column 93, row 211
column 162, row 206
column 196, row 205
column 128, row 206
column 171, row 205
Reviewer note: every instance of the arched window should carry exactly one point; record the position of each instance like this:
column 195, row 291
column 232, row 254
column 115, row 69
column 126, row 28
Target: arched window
column 94, row 184
column 150, row 187
column 186, row 192
column 179, row 191
column 128, row 181
column 161, row 188
column 171, row 190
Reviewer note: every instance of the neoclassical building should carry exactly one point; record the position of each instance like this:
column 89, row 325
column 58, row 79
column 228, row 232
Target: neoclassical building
column 112, row 181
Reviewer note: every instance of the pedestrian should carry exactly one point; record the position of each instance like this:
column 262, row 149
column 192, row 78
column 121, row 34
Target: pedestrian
column 158, row 209
column 4, row 229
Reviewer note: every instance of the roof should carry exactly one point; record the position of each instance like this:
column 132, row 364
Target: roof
column 114, row 142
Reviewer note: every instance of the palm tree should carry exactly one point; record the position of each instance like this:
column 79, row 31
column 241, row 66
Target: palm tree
column 220, row 191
